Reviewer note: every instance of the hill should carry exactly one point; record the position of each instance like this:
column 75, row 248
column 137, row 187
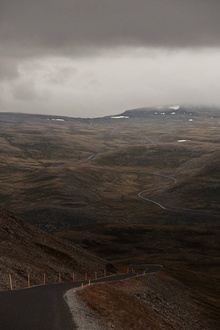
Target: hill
column 154, row 302
column 26, row 249
column 175, row 111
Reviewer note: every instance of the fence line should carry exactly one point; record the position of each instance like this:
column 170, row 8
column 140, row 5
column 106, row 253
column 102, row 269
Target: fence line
column 31, row 279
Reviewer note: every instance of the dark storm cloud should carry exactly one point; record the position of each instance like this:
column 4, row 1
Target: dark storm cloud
column 45, row 48
column 29, row 27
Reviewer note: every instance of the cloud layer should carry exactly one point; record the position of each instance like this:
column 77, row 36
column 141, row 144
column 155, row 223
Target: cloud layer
column 30, row 27
column 94, row 57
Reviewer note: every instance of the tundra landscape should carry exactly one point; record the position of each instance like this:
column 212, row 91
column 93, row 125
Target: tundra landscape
column 109, row 165
column 141, row 187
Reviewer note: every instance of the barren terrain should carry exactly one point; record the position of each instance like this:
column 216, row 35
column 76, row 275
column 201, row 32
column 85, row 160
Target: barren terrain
column 152, row 302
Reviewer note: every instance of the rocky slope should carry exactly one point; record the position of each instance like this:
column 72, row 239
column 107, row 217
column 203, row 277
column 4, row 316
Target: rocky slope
column 153, row 301
column 26, row 249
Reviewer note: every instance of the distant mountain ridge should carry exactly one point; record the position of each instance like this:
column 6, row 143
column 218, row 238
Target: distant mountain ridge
column 169, row 110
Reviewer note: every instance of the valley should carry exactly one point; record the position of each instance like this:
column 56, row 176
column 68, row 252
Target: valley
column 57, row 172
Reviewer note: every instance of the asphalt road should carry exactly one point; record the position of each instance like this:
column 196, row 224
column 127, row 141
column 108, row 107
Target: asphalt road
column 42, row 307
column 37, row 308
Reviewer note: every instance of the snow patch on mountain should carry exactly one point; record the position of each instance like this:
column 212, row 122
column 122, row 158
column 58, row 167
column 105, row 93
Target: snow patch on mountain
column 120, row 117
column 175, row 107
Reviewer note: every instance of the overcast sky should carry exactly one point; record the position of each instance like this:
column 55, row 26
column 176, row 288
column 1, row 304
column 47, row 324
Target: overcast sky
column 92, row 58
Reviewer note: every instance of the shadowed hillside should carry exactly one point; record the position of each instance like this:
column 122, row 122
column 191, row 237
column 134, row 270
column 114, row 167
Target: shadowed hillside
column 25, row 249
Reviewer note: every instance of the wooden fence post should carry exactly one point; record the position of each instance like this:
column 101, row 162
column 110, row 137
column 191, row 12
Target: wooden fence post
column 59, row 277
column 73, row 277
column 10, row 282
column 29, row 280
column 44, row 279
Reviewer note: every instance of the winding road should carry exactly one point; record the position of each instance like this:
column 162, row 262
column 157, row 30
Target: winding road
column 152, row 201
column 44, row 307
column 187, row 211
column 143, row 192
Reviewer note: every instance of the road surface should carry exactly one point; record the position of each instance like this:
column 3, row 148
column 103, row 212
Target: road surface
column 152, row 201
column 43, row 307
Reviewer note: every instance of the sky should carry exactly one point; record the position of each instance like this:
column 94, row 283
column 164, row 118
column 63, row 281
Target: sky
column 90, row 58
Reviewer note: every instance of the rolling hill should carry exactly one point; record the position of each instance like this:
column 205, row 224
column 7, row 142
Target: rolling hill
column 60, row 171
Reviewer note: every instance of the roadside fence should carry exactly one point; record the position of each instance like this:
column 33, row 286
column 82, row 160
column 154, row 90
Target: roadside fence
column 57, row 278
